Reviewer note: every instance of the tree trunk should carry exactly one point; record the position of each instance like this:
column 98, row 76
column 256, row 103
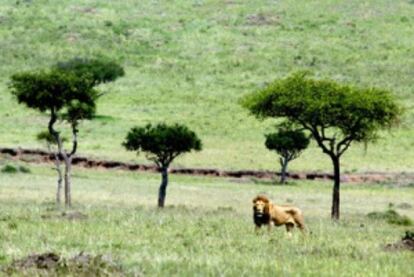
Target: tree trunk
column 283, row 163
column 59, row 172
column 59, row 183
column 68, row 169
column 163, row 187
column 335, row 194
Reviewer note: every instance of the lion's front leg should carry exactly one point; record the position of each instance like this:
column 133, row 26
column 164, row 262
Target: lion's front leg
column 269, row 227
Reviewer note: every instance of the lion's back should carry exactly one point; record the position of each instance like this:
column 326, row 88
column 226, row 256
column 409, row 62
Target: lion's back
column 294, row 213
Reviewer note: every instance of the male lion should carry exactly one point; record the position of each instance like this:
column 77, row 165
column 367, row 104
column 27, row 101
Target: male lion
column 266, row 213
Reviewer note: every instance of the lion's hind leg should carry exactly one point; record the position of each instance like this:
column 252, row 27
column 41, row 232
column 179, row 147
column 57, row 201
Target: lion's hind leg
column 300, row 223
column 297, row 218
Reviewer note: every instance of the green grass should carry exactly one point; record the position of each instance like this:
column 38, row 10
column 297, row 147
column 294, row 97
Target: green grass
column 191, row 61
column 206, row 228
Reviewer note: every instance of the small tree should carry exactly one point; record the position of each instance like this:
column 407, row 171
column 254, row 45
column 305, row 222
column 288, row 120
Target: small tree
column 289, row 144
column 162, row 144
column 67, row 93
column 65, row 96
column 336, row 115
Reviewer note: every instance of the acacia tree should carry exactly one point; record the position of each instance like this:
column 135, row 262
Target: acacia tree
column 289, row 144
column 336, row 115
column 162, row 144
column 67, row 92
column 65, row 96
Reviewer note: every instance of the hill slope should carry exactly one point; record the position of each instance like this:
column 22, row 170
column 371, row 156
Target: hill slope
column 190, row 61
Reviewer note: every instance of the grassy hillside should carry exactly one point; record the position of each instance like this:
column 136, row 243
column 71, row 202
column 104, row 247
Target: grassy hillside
column 206, row 227
column 190, row 62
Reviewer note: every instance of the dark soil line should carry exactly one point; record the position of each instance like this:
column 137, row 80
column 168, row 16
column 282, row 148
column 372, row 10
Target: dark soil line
column 38, row 156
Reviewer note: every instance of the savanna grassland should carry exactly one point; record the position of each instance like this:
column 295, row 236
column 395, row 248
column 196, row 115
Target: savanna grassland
column 206, row 228
column 191, row 61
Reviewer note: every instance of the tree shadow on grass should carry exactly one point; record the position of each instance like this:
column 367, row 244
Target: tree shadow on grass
column 104, row 118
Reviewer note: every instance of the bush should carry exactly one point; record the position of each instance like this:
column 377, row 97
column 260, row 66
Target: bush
column 24, row 169
column 392, row 217
column 9, row 169
column 409, row 235
column 15, row 169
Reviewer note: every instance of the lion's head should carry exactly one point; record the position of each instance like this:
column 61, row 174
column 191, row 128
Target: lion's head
column 261, row 205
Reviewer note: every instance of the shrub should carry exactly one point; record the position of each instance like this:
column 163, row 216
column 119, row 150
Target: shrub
column 9, row 169
column 24, row 169
column 392, row 217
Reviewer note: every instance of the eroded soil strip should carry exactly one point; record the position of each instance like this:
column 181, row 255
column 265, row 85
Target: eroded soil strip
column 37, row 155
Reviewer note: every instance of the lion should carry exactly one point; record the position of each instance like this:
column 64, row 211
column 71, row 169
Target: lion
column 266, row 213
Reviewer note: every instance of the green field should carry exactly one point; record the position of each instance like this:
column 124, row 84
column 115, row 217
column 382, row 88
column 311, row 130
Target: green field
column 191, row 61
column 206, row 227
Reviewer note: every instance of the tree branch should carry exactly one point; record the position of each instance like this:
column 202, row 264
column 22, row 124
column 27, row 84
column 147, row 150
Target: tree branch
column 343, row 145
column 54, row 133
column 74, row 138
column 319, row 139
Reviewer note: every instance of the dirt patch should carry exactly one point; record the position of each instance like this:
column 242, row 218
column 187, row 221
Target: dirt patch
column 52, row 264
column 85, row 10
column 41, row 156
column 406, row 243
column 261, row 19
column 73, row 215
column 41, row 261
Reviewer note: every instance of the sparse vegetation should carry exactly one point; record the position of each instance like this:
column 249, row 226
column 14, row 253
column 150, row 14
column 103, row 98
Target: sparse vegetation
column 190, row 62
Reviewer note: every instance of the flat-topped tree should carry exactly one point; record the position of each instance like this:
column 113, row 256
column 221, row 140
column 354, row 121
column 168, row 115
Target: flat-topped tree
column 288, row 144
column 64, row 96
column 162, row 144
column 336, row 115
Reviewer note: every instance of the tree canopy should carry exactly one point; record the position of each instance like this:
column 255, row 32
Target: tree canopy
column 53, row 90
column 355, row 114
column 287, row 142
column 162, row 143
